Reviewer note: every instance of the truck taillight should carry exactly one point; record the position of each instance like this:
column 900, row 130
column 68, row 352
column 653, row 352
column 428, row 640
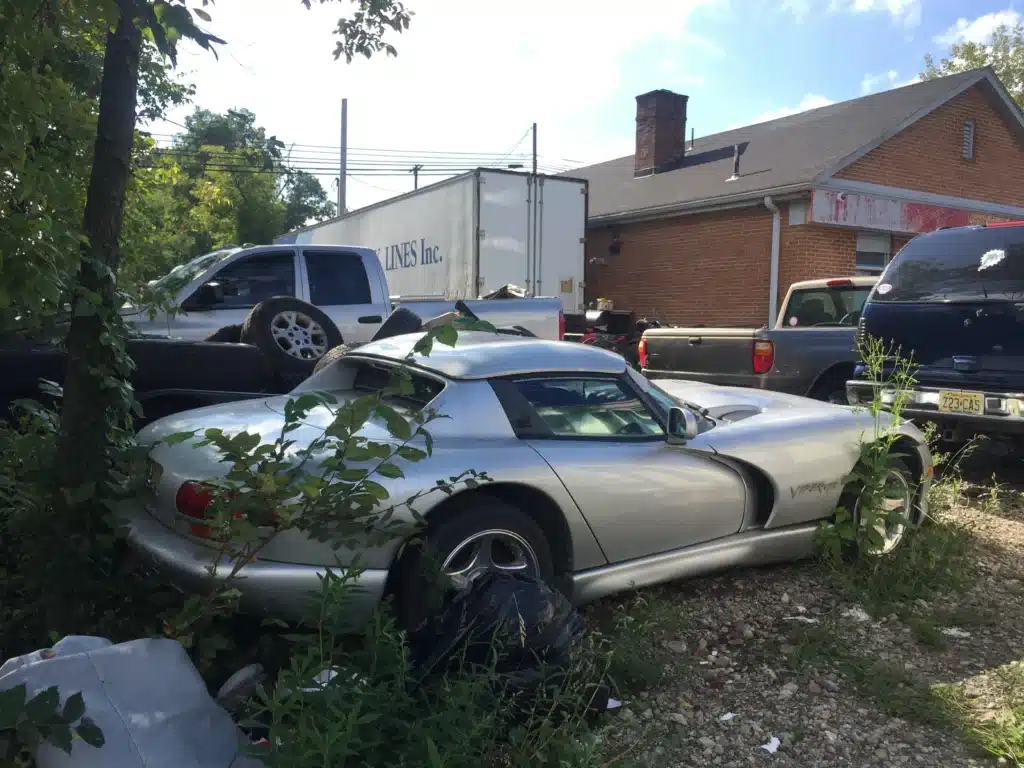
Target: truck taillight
column 194, row 500
column 641, row 353
column 764, row 356
column 561, row 325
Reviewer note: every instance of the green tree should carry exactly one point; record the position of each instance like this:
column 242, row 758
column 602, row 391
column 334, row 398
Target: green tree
column 305, row 200
column 1003, row 51
column 51, row 64
column 96, row 398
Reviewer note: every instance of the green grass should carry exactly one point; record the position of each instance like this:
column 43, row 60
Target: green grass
column 1001, row 733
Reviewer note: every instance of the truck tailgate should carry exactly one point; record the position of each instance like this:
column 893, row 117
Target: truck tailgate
column 719, row 355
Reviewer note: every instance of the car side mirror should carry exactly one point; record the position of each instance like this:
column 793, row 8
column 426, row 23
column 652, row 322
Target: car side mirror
column 205, row 297
column 682, row 426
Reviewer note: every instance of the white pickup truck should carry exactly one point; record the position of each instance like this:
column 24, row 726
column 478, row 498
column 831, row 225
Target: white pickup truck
column 347, row 283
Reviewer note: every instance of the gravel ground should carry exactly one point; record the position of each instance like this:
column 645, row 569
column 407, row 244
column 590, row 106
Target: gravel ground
column 893, row 668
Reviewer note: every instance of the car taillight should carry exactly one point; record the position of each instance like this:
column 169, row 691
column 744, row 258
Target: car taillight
column 194, row 500
column 561, row 325
column 641, row 353
column 764, row 356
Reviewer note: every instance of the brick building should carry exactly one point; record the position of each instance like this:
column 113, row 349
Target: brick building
column 715, row 230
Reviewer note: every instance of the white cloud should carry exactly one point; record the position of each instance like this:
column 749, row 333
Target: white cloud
column 978, row 30
column 469, row 77
column 810, row 101
column 885, row 81
column 904, row 12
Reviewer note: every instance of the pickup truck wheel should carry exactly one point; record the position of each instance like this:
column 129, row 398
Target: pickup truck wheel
column 831, row 388
column 292, row 333
column 485, row 534
column 333, row 354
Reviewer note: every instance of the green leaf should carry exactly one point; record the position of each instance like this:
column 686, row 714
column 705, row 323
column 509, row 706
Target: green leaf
column 60, row 737
column 90, row 733
column 178, row 437
column 376, row 490
column 433, row 756
column 352, row 475
column 447, row 335
column 396, row 424
column 12, row 703
column 390, row 471
column 202, row 14
column 42, row 707
column 409, row 453
column 74, row 708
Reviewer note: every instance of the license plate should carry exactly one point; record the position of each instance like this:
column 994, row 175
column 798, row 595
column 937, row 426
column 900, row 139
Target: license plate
column 972, row 403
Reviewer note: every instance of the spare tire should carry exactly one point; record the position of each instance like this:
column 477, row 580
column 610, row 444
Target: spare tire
column 334, row 353
column 293, row 334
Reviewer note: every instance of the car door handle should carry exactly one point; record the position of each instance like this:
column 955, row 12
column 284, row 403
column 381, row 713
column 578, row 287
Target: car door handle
column 696, row 340
column 367, row 319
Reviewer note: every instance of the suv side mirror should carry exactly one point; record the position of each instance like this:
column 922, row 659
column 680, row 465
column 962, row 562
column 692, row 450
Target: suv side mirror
column 682, row 426
column 205, row 297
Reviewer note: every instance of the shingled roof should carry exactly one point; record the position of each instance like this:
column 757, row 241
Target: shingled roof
column 777, row 156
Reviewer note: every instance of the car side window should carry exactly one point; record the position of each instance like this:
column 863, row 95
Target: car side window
column 336, row 278
column 588, row 408
column 251, row 279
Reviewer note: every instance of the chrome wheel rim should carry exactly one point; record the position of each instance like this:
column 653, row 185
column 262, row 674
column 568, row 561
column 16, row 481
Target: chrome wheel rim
column 299, row 335
column 493, row 550
column 897, row 499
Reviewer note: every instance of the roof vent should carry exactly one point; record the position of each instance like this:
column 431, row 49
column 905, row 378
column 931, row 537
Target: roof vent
column 968, row 152
column 735, row 163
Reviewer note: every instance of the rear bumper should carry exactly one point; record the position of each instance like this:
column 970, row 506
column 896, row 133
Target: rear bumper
column 275, row 590
column 1003, row 411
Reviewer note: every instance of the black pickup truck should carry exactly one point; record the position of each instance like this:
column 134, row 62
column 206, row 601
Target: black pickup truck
column 953, row 302
column 810, row 351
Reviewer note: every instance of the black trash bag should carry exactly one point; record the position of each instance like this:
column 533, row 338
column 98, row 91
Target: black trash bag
column 525, row 634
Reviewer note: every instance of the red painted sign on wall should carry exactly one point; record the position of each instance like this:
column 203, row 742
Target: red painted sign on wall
column 851, row 209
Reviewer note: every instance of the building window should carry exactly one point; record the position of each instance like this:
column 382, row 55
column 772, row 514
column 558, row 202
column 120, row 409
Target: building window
column 968, row 140
column 873, row 252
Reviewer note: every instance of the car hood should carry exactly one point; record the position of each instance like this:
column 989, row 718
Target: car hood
column 262, row 416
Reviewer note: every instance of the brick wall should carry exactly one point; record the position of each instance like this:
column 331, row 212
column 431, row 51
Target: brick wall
column 809, row 252
column 928, row 157
column 709, row 268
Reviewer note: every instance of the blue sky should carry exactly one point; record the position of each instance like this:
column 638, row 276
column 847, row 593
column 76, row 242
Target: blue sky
column 471, row 77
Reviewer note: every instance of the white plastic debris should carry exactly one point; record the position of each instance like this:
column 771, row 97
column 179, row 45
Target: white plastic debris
column 772, row 746
column 614, row 703
column 801, row 619
column 857, row 614
column 955, row 632
column 727, row 717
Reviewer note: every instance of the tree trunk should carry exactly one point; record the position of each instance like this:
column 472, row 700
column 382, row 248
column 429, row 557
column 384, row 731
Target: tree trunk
column 91, row 386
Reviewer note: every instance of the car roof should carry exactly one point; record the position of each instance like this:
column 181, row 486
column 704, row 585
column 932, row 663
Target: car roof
column 858, row 281
column 481, row 355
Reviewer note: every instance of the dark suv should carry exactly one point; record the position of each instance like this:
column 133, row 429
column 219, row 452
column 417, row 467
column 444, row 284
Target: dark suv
column 953, row 300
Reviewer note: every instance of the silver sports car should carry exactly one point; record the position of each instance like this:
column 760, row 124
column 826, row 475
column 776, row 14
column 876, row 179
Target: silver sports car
column 601, row 480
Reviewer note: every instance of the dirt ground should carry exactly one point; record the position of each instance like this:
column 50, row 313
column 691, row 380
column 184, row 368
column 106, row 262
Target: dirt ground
column 917, row 662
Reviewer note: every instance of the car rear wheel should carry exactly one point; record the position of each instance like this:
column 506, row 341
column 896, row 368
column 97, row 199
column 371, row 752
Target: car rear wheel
column 485, row 534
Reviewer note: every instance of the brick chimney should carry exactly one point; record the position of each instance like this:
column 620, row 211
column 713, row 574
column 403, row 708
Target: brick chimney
column 660, row 131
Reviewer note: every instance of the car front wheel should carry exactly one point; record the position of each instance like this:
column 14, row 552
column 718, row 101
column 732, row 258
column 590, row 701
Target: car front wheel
column 893, row 513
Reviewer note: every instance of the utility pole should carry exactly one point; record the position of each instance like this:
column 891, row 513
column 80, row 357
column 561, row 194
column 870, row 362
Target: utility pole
column 415, row 171
column 343, row 166
column 534, row 149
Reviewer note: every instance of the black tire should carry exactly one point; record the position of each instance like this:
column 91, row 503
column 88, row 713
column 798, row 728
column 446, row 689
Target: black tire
column 333, row 354
column 831, row 388
column 399, row 322
column 258, row 331
column 416, row 585
column 229, row 333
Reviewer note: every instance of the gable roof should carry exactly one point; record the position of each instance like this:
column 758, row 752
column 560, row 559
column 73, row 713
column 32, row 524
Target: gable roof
column 778, row 156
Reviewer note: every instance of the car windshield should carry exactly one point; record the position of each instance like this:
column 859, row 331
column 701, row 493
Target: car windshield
column 971, row 264
column 183, row 274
